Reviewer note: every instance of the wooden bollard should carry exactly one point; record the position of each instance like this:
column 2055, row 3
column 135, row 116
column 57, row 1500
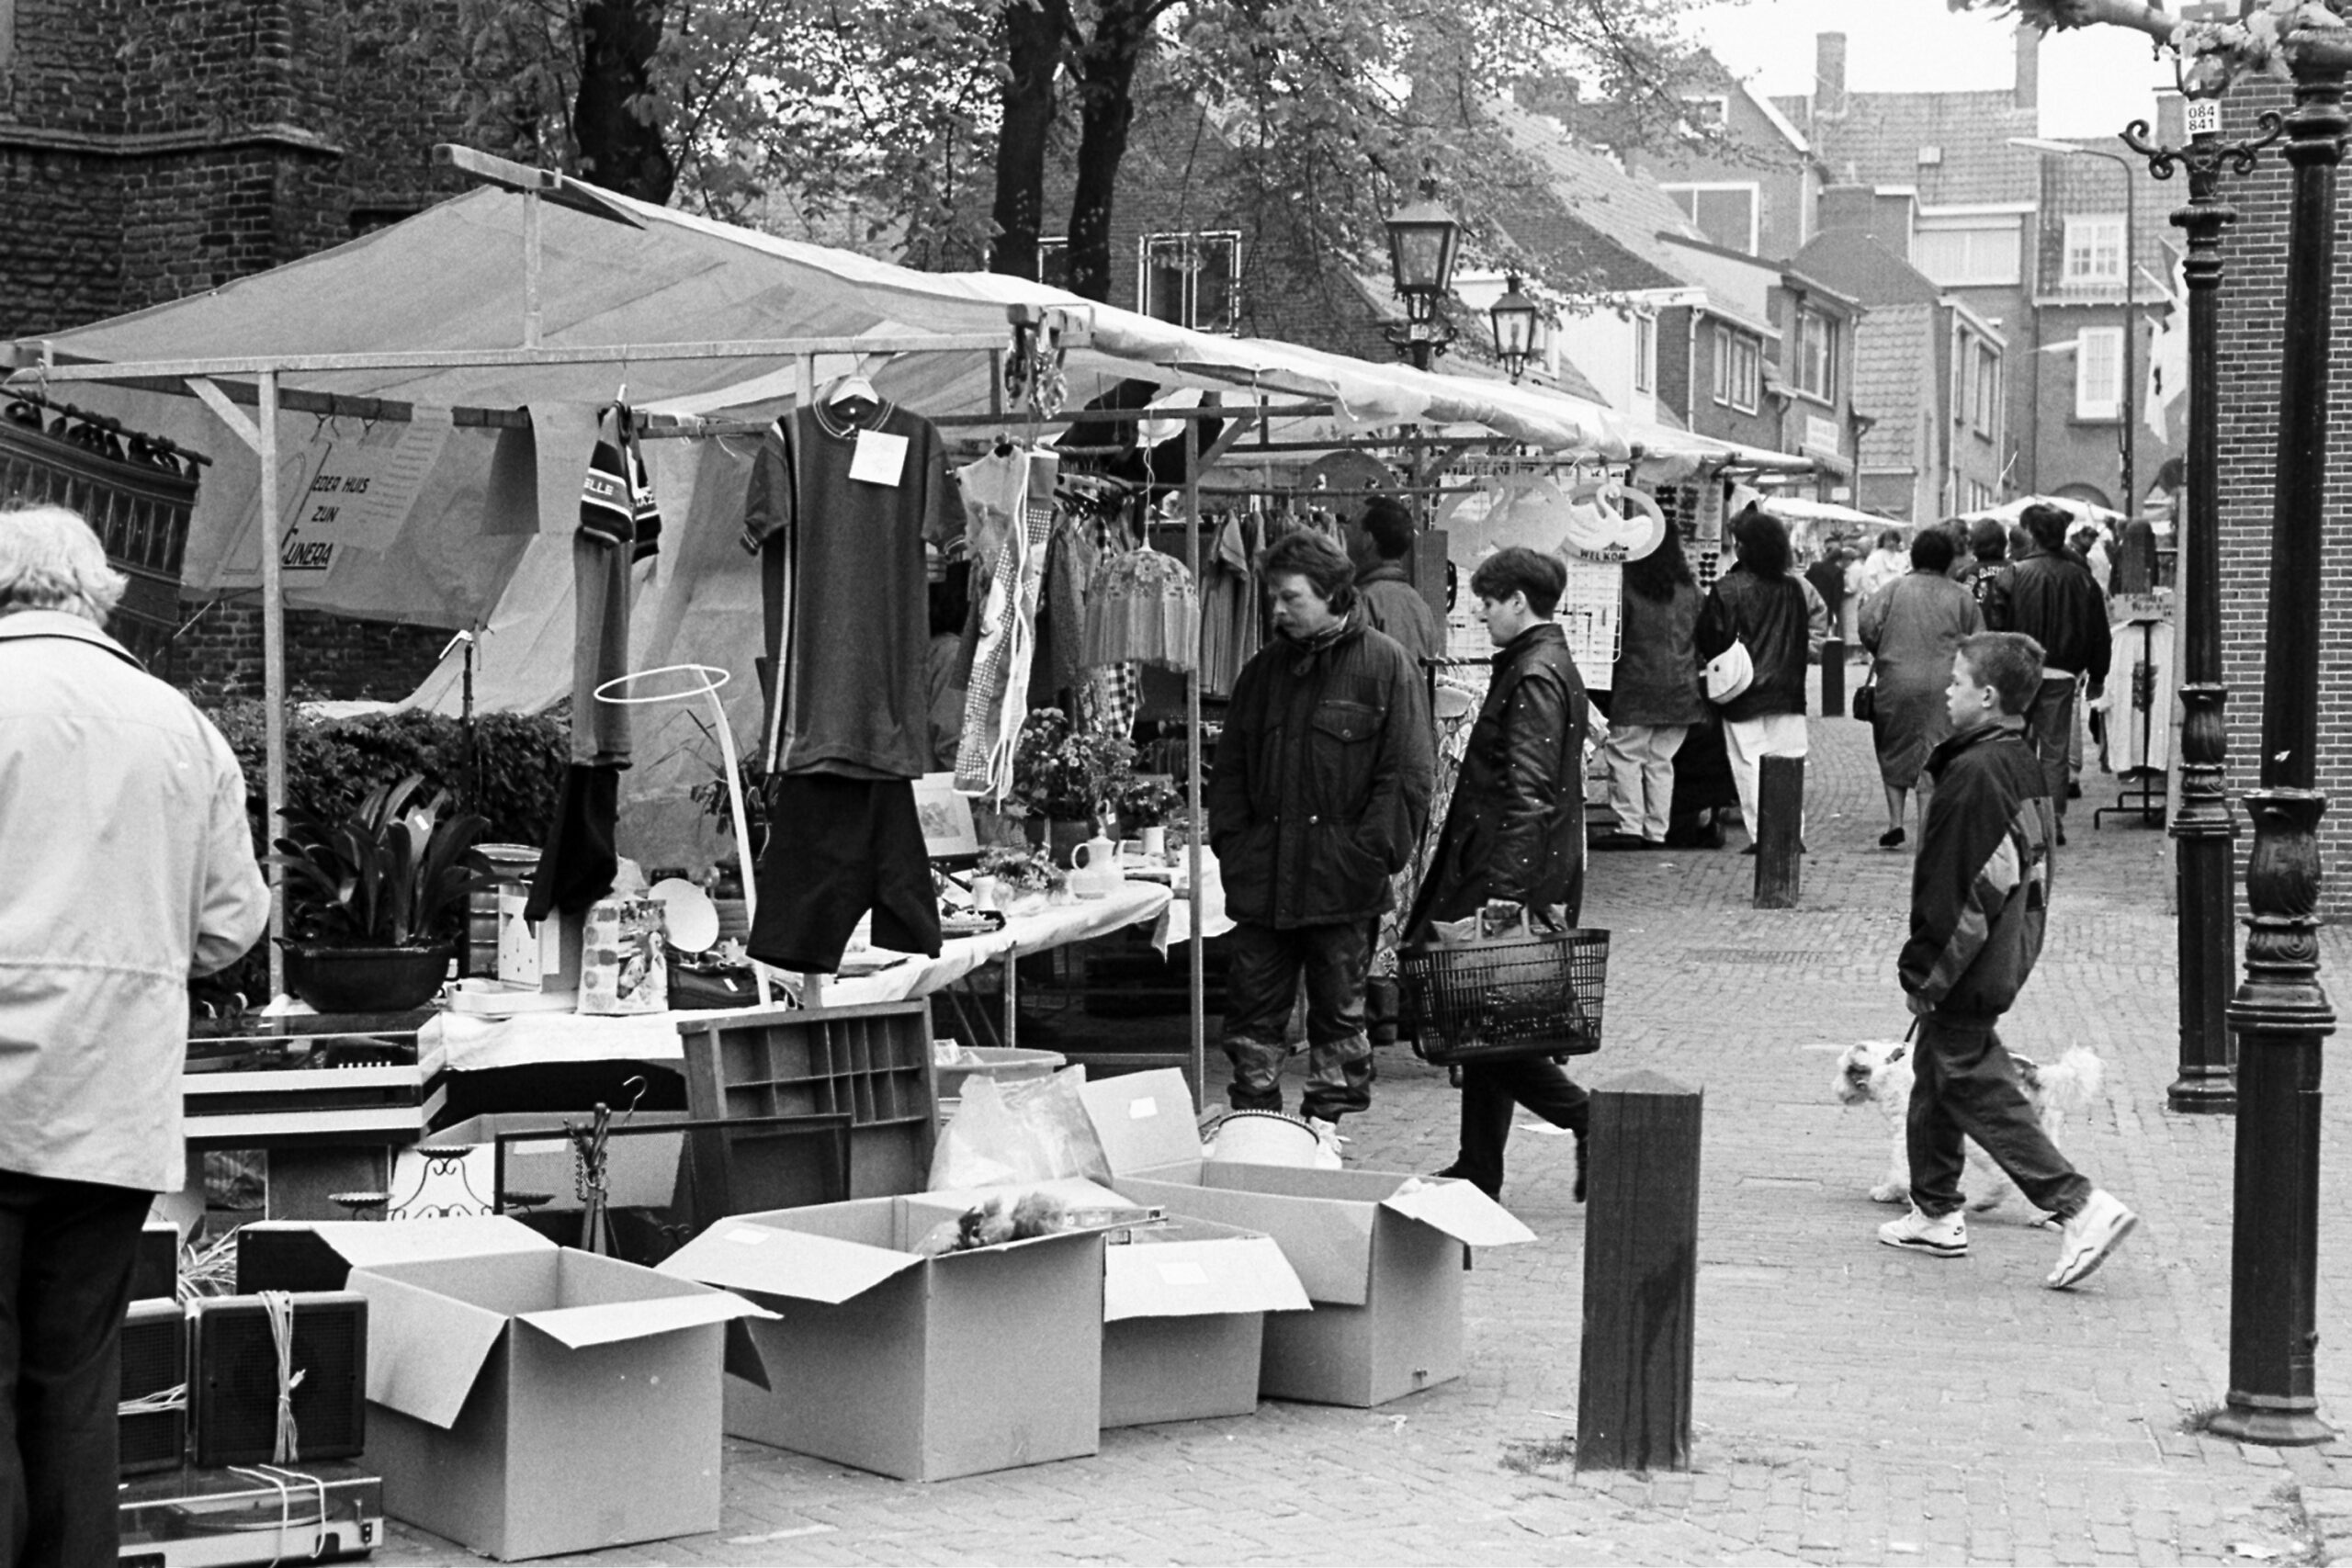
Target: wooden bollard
column 1779, row 832
column 1833, row 679
column 1641, row 1270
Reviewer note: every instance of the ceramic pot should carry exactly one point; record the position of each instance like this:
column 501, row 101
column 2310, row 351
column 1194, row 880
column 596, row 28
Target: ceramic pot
column 365, row 979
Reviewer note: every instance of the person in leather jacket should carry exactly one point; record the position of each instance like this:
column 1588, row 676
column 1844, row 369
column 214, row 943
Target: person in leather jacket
column 1759, row 602
column 1513, row 841
column 1319, row 794
column 2052, row 597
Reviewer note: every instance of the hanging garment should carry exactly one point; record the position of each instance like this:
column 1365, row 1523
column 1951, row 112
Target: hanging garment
column 1228, row 596
column 1143, row 609
column 995, row 701
column 577, row 866
column 619, row 526
column 842, row 499
column 838, row 846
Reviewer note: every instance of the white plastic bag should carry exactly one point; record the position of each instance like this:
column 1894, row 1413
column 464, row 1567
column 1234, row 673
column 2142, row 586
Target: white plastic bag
column 1031, row 1131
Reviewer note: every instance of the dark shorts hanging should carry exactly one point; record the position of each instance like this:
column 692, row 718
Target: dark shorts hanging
column 838, row 846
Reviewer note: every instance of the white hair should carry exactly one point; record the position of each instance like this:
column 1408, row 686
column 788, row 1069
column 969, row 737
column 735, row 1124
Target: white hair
column 50, row 559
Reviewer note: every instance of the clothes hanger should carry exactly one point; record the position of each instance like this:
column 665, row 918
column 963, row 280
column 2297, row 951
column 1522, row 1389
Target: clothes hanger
column 852, row 387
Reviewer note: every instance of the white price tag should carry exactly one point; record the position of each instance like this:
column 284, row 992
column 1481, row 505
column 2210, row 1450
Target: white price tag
column 1141, row 1109
column 1183, row 1274
column 880, row 458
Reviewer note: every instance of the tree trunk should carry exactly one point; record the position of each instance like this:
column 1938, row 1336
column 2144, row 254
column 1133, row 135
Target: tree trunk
column 618, row 149
column 1033, row 36
column 1107, row 108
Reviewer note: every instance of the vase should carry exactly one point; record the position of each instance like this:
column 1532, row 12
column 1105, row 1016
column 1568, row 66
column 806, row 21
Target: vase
column 365, row 979
column 1064, row 834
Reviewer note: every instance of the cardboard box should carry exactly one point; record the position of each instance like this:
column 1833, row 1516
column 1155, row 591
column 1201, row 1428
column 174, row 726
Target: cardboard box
column 1380, row 1253
column 913, row 1367
column 319, row 1255
column 1184, row 1309
column 537, row 1399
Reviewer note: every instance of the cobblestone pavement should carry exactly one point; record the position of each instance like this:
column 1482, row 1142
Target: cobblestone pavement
column 1853, row 1405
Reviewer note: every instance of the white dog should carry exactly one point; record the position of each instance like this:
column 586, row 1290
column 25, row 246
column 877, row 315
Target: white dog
column 1879, row 1072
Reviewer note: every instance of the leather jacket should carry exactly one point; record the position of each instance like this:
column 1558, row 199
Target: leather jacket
column 2053, row 598
column 1515, row 831
column 1783, row 623
column 1323, row 776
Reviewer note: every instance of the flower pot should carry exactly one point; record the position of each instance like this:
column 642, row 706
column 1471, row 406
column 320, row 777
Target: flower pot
column 365, row 979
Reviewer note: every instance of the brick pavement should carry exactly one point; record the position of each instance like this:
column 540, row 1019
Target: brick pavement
column 1853, row 1405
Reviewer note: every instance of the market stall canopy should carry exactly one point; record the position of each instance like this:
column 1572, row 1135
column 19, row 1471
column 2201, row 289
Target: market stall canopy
column 2011, row 512
column 621, row 276
column 1797, row 509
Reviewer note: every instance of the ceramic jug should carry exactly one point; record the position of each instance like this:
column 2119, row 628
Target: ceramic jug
column 1094, row 868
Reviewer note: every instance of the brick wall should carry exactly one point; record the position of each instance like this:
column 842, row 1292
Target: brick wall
column 2253, row 328
column 327, row 656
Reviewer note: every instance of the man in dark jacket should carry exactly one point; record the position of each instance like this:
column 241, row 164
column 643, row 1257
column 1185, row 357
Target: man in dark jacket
column 1513, row 844
column 1383, row 541
column 2052, row 597
column 1980, row 897
column 1321, row 788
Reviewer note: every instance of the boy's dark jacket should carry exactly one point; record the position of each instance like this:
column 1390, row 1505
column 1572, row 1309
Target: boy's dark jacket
column 1980, row 889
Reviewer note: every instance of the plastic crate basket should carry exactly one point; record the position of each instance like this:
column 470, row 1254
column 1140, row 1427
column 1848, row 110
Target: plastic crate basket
column 1505, row 998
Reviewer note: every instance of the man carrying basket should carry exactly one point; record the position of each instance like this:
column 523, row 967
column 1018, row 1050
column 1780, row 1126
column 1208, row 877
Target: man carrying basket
column 1512, row 849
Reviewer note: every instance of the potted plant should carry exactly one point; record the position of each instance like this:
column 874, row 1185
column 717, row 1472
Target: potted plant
column 1066, row 780
column 1022, row 881
column 375, row 898
column 1148, row 803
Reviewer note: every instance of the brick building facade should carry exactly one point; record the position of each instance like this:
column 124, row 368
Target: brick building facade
column 2253, row 333
column 153, row 149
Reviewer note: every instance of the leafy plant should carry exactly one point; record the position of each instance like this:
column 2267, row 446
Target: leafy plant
column 1062, row 770
column 1148, row 801
column 1024, row 870
column 389, row 875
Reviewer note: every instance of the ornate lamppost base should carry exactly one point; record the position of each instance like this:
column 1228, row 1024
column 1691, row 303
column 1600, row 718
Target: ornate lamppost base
column 2215, row 1096
column 2251, row 1418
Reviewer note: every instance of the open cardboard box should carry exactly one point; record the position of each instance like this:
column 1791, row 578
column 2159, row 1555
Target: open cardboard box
column 319, row 1255
column 913, row 1367
column 1379, row 1253
column 534, row 1400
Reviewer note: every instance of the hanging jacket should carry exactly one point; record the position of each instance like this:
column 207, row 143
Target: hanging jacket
column 1783, row 623
column 1515, row 831
column 1980, row 888
column 1656, row 680
column 1322, row 780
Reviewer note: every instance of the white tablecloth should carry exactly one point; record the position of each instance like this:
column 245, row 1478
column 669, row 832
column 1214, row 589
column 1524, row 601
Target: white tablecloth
column 1176, row 920
column 463, row 1042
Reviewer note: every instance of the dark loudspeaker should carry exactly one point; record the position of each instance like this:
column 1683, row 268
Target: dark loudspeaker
column 154, row 1366
column 273, row 1255
column 156, row 1267
column 234, row 1388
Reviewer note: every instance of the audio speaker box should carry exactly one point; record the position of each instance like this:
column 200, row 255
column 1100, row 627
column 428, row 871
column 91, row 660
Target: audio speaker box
column 233, row 1385
column 155, row 1362
column 156, row 1267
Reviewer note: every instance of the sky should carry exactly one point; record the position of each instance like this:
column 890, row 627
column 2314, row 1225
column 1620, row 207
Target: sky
column 2094, row 80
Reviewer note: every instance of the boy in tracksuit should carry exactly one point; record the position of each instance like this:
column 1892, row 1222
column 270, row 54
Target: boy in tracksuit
column 1980, row 896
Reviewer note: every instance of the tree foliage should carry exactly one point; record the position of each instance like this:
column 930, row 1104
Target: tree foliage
column 2268, row 37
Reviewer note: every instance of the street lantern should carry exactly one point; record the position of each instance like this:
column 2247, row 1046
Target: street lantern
column 1516, row 319
column 1423, row 240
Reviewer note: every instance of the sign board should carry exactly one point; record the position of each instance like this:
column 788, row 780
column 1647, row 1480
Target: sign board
column 356, row 484
column 1821, row 434
column 2204, row 117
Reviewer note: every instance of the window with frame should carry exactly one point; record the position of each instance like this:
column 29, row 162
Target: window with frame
column 1739, row 369
column 1817, row 354
column 1645, row 354
column 1707, row 111
column 1958, row 254
column 1727, row 214
column 2098, row 372
column 1989, row 389
column 2094, row 250
column 1191, row 280
column 1979, row 496
column 1053, row 261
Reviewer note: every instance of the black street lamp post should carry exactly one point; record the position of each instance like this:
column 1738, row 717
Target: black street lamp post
column 1516, row 319
column 2202, row 827
column 1423, row 240
column 2281, row 1012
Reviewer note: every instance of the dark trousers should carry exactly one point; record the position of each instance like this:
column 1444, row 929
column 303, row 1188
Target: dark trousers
column 1263, row 968
column 838, row 846
column 65, row 1255
column 2050, row 726
column 1965, row 1083
column 1490, row 1091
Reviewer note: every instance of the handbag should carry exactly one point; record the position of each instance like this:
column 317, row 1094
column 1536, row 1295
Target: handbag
column 1729, row 673
column 1865, row 700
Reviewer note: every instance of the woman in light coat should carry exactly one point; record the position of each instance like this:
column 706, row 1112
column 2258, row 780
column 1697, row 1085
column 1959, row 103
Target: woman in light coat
column 1912, row 626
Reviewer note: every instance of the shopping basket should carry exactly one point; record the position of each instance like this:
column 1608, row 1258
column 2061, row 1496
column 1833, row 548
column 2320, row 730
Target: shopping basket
column 1505, row 998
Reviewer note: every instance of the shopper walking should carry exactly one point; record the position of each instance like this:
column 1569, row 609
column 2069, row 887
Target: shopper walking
column 1512, row 851
column 1911, row 628
column 2052, row 597
column 1654, row 697
column 1980, row 899
column 131, row 868
column 1320, row 791
column 1988, row 552
column 1827, row 575
column 1382, row 543
column 1885, row 562
column 1783, row 623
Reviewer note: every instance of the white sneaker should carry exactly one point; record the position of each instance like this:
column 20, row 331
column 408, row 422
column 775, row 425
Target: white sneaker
column 2085, row 1241
column 1944, row 1237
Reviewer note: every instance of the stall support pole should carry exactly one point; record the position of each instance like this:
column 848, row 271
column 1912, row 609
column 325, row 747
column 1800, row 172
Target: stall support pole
column 273, row 659
column 531, row 263
column 1197, row 981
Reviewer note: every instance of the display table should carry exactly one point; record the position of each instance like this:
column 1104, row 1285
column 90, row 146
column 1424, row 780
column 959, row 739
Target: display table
column 1175, row 923
column 461, row 1042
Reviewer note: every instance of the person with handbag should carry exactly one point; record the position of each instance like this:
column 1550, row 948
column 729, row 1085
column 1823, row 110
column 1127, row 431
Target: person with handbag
column 1512, row 849
column 1760, row 629
column 1911, row 628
